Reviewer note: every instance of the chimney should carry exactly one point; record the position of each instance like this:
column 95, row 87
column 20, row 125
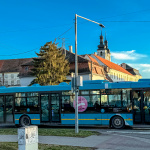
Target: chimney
column 95, row 53
column 70, row 49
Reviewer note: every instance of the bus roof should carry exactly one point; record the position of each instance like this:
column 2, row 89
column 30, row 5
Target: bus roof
column 87, row 85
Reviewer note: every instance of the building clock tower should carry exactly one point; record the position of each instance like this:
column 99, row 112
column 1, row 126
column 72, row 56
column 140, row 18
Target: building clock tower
column 103, row 50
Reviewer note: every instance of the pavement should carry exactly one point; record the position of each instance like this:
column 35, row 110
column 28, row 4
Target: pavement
column 110, row 139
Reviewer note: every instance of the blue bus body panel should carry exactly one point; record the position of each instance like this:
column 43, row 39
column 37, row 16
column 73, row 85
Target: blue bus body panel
column 90, row 119
column 35, row 118
column 129, row 119
column 95, row 119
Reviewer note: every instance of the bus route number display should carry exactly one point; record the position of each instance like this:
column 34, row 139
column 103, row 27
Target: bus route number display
column 82, row 104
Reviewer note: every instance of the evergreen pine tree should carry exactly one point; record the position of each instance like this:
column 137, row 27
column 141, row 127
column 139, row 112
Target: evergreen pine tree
column 50, row 67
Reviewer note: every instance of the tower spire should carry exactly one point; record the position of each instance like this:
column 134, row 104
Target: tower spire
column 103, row 50
column 101, row 39
column 106, row 42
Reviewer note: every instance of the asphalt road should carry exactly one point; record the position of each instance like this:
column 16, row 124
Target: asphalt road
column 125, row 139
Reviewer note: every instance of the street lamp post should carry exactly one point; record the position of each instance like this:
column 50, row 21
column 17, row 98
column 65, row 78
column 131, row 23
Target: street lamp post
column 76, row 69
column 76, row 76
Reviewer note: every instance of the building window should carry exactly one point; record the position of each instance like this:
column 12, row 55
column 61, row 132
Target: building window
column 26, row 68
column 12, row 82
column 18, row 82
column 101, row 53
column 6, row 82
column 6, row 76
column 12, row 75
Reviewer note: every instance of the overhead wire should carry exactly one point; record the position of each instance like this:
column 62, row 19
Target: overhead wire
column 21, row 53
column 38, row 48
column 34, row 28
column 82, row 23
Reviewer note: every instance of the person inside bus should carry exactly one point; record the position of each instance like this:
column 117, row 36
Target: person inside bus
column 67, row 105
column 97, row 106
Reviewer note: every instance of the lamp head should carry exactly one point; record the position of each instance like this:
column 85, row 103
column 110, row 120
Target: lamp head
column 101, row 25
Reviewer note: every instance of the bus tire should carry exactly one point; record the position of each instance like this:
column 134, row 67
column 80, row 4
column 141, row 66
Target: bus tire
column 117, row 122
column 25, row 121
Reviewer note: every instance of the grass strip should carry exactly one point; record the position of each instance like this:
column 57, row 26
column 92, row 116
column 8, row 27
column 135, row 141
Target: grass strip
column 14, row 146
column 52, row 132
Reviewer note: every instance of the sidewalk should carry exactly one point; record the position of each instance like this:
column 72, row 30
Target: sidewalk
column 91, row 141
column 109, row 141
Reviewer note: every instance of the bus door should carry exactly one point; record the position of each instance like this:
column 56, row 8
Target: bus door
column 137, row 99
column 141, row 106
column 55, row 107
column 50, row 107
column 146, row 106
column 6, row 109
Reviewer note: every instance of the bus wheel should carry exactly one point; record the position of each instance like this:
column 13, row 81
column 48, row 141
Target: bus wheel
column 25, row 121
column 117, row 122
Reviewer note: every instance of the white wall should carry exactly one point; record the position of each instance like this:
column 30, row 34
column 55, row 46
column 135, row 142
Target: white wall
column 10, row 79
column 88, row 77
column 26, row 81
column 85, row 77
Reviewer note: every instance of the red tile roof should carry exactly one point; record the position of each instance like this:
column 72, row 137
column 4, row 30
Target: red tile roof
column 112, row 65
column 1, row 64
column 92, row 59
column 12, row 65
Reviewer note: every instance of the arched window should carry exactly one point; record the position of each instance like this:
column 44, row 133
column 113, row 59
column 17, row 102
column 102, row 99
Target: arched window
column 101, row 53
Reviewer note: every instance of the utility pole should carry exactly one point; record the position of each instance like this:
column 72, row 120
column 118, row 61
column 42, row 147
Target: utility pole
column 76, row 76
column 76, row 69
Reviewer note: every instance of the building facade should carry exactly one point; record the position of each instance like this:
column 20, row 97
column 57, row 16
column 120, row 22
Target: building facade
column 113, row 72
column 89, row 69
column 9, row 71
column 17, row 72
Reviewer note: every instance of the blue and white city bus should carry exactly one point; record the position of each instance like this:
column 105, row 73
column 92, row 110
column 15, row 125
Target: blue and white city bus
column 100, row 103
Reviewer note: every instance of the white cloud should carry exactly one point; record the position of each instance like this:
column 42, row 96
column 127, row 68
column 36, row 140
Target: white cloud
column 145, row 65
column 146, row 70
column 127, row 55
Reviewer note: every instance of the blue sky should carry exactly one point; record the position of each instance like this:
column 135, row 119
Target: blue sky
column 28, row 24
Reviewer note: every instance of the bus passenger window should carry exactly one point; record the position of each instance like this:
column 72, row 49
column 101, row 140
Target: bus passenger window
column 93, row 100
column 33, row 102
column 20, row 102
column 67, row 104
